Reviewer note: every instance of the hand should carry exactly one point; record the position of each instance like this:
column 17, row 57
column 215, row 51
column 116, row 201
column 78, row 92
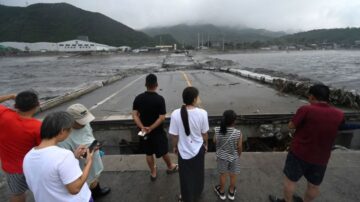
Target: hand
column 80, row 151
column 12, row 96
column 146, row 130
column 206, row 148
column 175, row 150
column 89, row 155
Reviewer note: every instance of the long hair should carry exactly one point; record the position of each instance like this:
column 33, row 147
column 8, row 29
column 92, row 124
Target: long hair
column 229, row 117
column 189, row 95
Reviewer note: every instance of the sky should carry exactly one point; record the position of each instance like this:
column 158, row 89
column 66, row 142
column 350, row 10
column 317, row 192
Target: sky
column 274, row 15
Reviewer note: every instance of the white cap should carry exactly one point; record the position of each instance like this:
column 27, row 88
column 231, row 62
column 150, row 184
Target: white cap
column 80, row 113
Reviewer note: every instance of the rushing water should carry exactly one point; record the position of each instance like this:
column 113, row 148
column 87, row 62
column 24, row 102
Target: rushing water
column 340, row 69
column 54, row 75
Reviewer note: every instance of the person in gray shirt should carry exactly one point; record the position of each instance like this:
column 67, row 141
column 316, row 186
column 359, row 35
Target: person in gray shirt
column 82, row 134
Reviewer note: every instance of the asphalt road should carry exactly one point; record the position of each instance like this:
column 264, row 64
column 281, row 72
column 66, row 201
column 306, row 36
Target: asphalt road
column 218, row 91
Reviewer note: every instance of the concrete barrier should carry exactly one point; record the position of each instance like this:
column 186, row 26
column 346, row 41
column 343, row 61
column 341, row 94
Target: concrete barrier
column 48, row 104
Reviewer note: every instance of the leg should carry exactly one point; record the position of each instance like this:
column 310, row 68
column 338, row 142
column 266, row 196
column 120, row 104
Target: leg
column 168, row 162
column 289, row 189
column 311, row 193
column 232, row 182
column 18, row 198
column 222, row 181
column 151, row 163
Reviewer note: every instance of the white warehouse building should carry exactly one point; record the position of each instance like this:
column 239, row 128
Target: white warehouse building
column 79, row 45
column 65, row 46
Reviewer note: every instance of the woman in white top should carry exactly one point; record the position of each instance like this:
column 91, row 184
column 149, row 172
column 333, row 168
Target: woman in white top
column 188, row 127
column 53, row 173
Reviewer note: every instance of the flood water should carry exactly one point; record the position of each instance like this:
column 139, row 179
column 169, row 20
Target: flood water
column 55, row 75
column 340, row 69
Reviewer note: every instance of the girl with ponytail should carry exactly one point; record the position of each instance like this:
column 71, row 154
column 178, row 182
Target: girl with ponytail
column 189, row 126
column 228, row 142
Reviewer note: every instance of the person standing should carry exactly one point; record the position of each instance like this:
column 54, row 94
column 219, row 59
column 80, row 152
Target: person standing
column 53, row 173
column 82, row 134
column 228, row 141
column 316, row 128
column 19, row 132
column 149, row 114
column 189, row 126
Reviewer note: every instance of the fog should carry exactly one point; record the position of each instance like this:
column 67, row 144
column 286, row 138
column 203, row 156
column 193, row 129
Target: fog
column 275, row 15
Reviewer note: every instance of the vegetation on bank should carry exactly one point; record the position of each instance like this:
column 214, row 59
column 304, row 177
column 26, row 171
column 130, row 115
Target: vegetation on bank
column 61, row 22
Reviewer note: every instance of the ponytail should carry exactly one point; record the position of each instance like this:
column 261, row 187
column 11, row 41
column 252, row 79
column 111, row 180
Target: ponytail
column 223, row 128
column 189, row 95
column 185, row 119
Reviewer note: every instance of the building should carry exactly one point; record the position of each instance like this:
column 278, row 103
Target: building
column 81, row 46
column 65, row 46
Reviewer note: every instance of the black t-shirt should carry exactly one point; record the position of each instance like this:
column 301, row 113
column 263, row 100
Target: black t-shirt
column 150, row 105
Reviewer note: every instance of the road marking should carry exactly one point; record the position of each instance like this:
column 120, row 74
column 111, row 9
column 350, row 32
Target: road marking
column 114, row 94
column 188, row 81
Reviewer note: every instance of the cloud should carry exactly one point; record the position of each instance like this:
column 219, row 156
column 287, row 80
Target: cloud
column 274, row 15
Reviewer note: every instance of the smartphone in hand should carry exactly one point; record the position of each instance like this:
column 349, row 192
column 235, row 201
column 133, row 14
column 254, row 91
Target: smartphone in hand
column 91, row 147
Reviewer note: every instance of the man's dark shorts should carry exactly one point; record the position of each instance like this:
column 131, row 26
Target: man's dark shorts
column 156, row 143
column 295, row 168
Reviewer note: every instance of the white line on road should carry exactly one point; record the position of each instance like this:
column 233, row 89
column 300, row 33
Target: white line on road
column 114, row 94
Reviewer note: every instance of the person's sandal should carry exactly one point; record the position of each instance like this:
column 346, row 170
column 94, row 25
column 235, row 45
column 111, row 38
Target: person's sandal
column 174, row 170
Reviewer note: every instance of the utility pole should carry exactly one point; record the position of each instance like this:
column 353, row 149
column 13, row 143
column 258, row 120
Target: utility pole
column 208, row 41
column 202, row 40
column 223, row 44
column 198, row 45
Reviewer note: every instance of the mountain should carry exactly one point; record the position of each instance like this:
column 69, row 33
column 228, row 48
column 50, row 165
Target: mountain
column 341, row 36
column 61, row 22
column 188, row 34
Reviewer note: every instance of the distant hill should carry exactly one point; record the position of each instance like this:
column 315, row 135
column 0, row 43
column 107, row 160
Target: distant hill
column 341, row 36
column 61, row 22
column 188, row 34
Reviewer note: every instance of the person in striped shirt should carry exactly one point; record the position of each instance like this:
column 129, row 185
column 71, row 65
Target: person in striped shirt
column 228, row 142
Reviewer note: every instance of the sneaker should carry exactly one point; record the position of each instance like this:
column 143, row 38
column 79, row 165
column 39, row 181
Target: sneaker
column 273, row 198
column 231, row 196
column 222, row 196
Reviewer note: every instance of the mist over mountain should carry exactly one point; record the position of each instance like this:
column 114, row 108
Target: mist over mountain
column 188, row 34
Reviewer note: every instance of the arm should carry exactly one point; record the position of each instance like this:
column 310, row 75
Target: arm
column 4, row 98
column 156, row 123
column 239, row 146
column 205, row 137
column 291, row 125
column 75, row 186
column 175, row 140
column 136, row 117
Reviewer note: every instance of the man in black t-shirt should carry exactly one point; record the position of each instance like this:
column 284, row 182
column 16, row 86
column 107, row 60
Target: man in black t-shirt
column 149, row 114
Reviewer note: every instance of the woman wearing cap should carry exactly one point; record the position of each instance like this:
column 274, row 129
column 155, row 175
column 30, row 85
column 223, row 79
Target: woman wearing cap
column 82, row 134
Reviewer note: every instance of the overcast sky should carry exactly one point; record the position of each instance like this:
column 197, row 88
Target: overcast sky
column 275, row 15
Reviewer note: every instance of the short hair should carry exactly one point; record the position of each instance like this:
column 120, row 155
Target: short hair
column 151, row 81
column 320, row 91
column 54, row 123
column 26, row 101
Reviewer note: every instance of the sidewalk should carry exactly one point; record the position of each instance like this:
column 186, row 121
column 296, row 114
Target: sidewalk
column 261, row 175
